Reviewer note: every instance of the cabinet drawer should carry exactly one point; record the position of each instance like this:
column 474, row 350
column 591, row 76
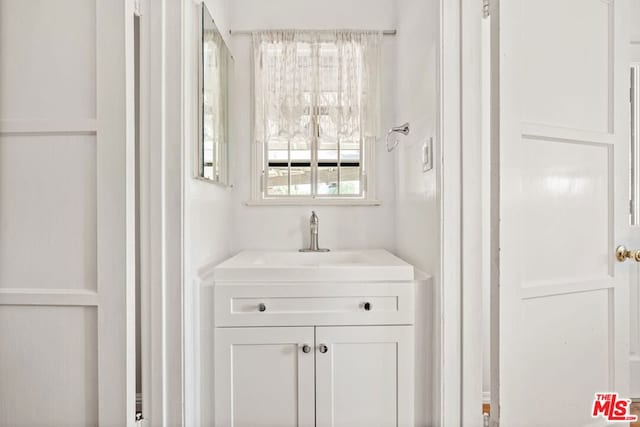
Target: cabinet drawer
column 313, row 304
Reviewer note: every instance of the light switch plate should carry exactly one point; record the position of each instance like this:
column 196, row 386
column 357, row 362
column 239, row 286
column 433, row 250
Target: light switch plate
column 427, row 155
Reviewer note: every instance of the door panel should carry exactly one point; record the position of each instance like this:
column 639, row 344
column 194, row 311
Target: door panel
column 366, row 376
column 565, row 63
column 62, row 385
column 567, row 192
column 560, row 91
column 635, row 272
column 48, row 200
column 263, row 378
column 52, row 74
column 63, row 215
column 561, row 346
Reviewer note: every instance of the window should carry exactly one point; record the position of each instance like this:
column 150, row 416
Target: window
column 316, row 115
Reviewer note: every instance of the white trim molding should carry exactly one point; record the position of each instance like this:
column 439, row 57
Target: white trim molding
column 48, row 127
column 317, row 201
column 161, row 216
column 57, row 297
column 460, row 302
column 447, row 407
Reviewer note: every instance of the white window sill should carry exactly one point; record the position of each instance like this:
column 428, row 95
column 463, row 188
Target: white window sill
column 314, row 202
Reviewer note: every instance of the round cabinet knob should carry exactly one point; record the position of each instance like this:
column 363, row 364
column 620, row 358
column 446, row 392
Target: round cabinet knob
column 367, row 306
column 323, row 348
column 262, row 307
column 306, row 348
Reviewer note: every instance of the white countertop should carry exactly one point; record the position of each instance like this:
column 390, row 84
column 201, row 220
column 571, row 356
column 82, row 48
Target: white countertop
column 343, row 265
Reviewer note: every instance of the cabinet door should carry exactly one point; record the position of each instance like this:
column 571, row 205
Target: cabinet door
column 365, row 376
column 264, row 377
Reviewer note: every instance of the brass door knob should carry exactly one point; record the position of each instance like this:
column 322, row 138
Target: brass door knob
column 622, row 254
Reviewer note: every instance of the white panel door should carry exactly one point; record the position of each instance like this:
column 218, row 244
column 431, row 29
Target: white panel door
column 635, row 276
column 561, row 146
column 63, row 215
column 364, row 376
column 264, row 377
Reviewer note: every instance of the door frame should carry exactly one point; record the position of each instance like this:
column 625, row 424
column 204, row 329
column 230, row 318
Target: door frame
column 634, row 289
column 456, row 398
column 458, row 372
column 115, row 192
column 161, row 211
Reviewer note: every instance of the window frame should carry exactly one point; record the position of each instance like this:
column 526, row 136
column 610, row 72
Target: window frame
column 260, row 167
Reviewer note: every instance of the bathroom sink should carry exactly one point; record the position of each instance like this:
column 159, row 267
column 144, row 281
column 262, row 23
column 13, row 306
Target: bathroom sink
column 348, row 265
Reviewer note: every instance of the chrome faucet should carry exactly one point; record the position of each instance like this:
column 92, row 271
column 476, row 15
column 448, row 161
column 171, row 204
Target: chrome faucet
column 314, row 222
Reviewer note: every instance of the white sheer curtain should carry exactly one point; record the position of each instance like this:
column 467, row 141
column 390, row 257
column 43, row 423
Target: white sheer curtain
column 332, row 74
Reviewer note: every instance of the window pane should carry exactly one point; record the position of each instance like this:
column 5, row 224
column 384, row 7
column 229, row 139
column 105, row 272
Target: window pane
column 328, row 129
column 207, row 172
column 278, row 149
column 328, row 64
column 300, row 181
column 350, row 180
column 278, row 182
column 278, row 155
column 207, row 162
column 353, row 143
column 350, row 156
column 301, row 149
column 327, row 181
column 297, row 155
column 328, row 155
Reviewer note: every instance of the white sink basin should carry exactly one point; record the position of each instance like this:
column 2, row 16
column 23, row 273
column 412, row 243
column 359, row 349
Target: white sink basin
column 351, row 265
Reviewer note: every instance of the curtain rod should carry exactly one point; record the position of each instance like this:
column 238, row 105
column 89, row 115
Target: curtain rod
column 248, row 32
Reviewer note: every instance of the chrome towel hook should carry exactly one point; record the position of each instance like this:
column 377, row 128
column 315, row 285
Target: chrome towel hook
column 403, row 129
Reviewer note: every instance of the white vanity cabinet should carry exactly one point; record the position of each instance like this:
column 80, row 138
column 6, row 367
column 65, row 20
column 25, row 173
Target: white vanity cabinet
column 314, row 354
column 264, row 378
column 365, row 377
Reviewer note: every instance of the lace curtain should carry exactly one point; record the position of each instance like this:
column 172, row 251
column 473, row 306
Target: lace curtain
column 333, row 75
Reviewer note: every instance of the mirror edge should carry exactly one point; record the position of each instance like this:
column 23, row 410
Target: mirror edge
column 198, row 167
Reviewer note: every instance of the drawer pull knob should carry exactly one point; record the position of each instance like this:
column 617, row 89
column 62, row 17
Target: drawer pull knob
column 262, row 307
column 323, row 348
column 367, row 306
column 306, row 348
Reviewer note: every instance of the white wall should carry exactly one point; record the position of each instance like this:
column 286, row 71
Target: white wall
column 207, row 227
column 417, row 195
column 417, row 210
column 208, row 206
column 287, row 227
